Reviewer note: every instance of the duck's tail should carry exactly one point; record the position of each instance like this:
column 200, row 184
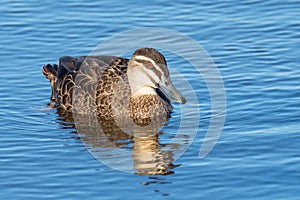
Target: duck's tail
column 50, row 72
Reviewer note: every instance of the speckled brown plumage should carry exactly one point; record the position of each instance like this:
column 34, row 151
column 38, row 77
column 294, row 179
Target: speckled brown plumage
column 113, row 91
column 146, row 107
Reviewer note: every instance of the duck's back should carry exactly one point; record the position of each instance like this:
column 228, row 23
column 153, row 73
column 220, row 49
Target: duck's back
column 88, row 84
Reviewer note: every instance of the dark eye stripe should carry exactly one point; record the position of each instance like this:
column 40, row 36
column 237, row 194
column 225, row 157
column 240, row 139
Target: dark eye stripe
column 158, row 73
column 153, row 68
column 143, row 61
column 150, row 77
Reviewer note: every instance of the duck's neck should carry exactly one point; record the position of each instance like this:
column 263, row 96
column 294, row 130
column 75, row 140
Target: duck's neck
column 139, row 92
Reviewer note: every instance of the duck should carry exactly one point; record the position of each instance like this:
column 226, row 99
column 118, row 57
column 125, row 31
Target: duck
column 110, row 86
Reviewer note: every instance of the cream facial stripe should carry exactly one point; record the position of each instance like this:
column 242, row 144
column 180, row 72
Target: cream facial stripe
column 145, row 58
column 157, row 70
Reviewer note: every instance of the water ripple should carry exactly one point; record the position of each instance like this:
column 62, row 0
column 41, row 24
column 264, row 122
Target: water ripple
column 255, row 45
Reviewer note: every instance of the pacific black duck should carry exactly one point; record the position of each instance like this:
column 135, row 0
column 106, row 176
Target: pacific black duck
column 139, row 87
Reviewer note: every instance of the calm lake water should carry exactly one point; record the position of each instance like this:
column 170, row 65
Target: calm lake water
column 255, row 45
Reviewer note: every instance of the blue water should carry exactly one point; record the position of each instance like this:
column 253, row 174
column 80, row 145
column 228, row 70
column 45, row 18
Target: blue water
column 255, row 45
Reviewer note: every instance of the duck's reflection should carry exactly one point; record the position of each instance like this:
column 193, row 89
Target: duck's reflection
column 122, row 144
column 148, row 157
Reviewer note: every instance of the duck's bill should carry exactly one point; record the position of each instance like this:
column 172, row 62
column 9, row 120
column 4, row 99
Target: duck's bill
column 172, row 93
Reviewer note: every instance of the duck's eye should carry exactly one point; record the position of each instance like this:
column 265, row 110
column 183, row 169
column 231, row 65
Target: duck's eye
column 148, row 64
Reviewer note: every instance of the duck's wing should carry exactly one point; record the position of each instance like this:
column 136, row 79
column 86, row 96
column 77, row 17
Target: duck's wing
column 74, row 80
column 88, row 72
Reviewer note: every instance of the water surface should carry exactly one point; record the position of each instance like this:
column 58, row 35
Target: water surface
column 255, row 45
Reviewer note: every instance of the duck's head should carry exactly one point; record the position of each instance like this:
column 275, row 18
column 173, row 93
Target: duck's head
column 148, row 74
